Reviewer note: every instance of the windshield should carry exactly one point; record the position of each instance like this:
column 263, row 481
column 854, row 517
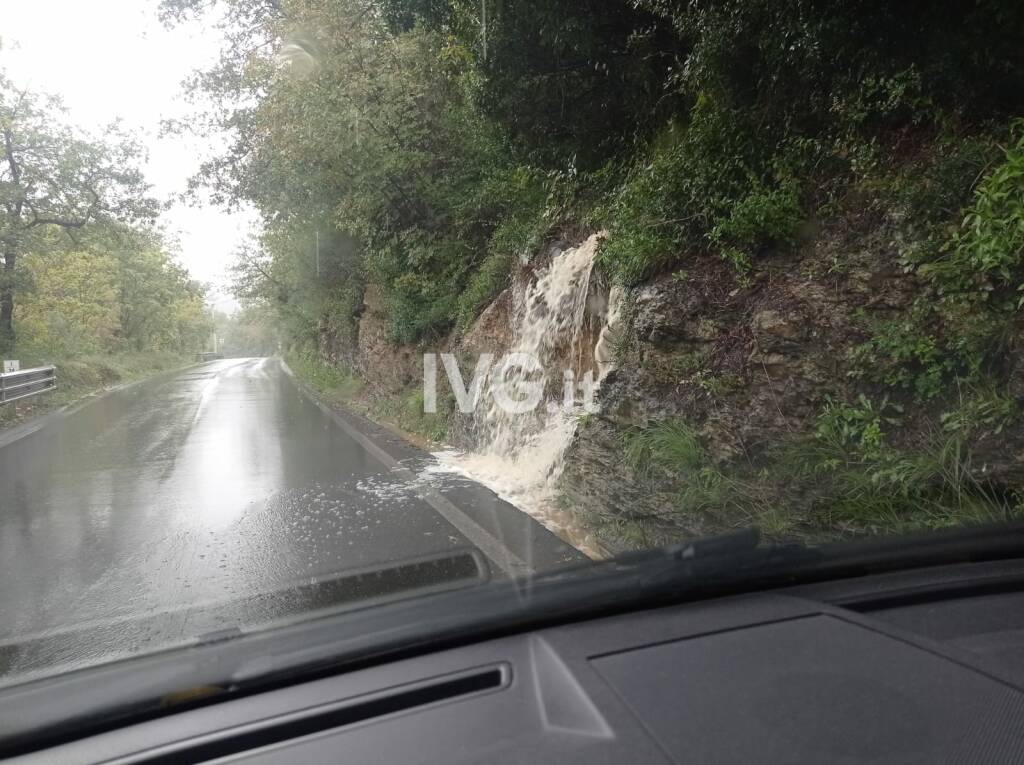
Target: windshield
column 307, row 306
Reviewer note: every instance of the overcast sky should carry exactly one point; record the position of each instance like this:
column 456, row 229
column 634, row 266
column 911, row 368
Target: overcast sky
column 113, row 59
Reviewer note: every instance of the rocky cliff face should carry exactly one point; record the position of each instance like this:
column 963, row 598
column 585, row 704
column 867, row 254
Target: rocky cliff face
column 384, row 368
column 747, row 360
column 750, row 361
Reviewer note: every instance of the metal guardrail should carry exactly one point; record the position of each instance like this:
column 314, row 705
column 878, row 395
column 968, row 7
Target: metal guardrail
column 27, row 382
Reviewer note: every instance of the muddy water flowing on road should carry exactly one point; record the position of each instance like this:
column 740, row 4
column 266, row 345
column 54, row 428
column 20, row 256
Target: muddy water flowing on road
column 556, row 319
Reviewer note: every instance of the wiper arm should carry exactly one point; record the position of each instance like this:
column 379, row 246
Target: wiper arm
column 135, row 695
column 732, row 560
column 724, row 560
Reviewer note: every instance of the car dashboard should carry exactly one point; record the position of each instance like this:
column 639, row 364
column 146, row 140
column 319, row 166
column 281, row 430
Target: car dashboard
column 924, row 666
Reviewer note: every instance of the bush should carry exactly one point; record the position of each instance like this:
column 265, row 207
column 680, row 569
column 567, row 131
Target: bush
column 933, row 192
column 978, row 273
column 868, row 63
column 334, row 383
column 524, row 197
column 764, row 217
column 988, row 250
column 904, row 353
column 486, row 284
column 421, row 280
column 412, row 418
column 982, row 410
column 694, row 176
column 855, row 428
column 672, row 447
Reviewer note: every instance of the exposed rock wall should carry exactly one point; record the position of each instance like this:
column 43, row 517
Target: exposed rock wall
column 749, row 363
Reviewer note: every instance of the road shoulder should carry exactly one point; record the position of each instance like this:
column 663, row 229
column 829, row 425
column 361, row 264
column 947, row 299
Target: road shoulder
column 34, row 423
column 512, row 539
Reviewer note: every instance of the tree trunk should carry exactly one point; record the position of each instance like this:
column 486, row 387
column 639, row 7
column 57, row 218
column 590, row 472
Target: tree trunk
column 7, row 304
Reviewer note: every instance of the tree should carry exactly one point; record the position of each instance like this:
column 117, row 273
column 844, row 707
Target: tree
column 51, row 177
column 114, row 289
column 338, row 125
column 69, row 306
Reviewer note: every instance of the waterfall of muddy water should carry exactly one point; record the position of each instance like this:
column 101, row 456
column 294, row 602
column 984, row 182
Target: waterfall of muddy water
column 520, row 455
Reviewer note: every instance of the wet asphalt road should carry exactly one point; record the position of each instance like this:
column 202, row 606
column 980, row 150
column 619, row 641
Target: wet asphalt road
column 171, row 508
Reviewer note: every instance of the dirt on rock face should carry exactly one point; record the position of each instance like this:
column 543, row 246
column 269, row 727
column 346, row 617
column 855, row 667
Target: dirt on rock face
column 492, row 331
column 748, row 361
column 384, row 367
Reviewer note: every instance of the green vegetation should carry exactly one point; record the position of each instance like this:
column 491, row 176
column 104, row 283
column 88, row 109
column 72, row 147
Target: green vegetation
column 52, row 179
column 420, row 152
column 434, row 147
column 975, row 268
column 982, row 410
column 109, row 295
column 844, row 480
column 668, row 446
column 335, row 385
column 407, row 413
column 104, row 314
column 87, row 282
column 703, row 184
column 875, row 486
column 338, row 386
column 987, row 252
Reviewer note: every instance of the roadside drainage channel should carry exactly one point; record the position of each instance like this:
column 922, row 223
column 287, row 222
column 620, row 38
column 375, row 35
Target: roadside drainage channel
column 512, row 540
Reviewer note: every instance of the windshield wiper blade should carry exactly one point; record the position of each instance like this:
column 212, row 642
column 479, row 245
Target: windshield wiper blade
column 217, row 620
column 715, row 562
column 308, row 600
column 734, row 559
column 739, row 560
column 964, row 544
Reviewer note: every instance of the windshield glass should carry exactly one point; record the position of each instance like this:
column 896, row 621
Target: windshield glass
column 311, row 305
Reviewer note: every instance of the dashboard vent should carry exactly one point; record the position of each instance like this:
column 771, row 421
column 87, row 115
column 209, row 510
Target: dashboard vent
column 355, row 711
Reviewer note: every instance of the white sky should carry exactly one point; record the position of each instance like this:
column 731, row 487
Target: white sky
column 112, row 59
